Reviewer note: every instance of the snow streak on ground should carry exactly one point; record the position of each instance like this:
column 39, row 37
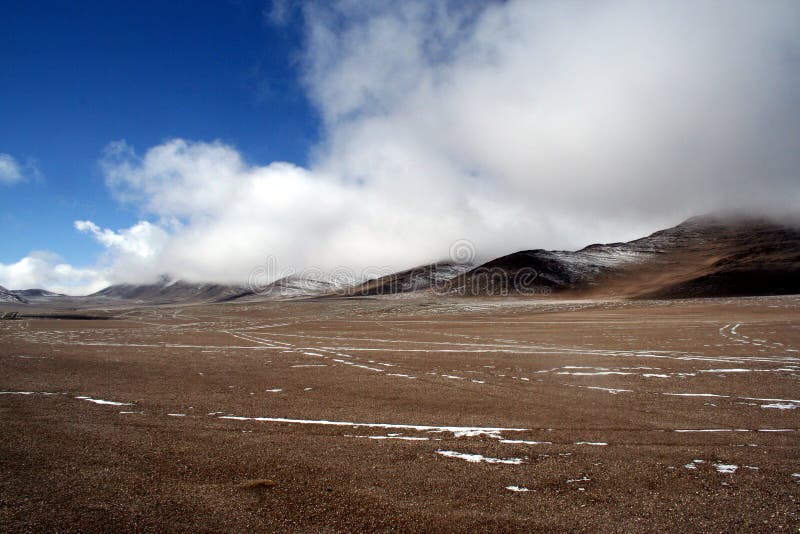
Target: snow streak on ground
column 457, row 431
column 101, row 401
column 478, row 458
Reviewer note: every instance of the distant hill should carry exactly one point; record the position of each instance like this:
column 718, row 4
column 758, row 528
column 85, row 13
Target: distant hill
column 416, row 279
column 707, row 256
column 36, row 293
column 170, row 291
column 289, row 287
column 180, row 291
column 12, row 297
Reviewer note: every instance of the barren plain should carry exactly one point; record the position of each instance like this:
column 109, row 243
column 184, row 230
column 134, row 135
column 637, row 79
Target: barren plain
column 405, row 414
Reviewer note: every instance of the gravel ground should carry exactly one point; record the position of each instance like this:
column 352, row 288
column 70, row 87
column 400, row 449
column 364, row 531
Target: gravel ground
column 454, row 415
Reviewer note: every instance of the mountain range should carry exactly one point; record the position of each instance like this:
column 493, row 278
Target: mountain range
column 707, row 256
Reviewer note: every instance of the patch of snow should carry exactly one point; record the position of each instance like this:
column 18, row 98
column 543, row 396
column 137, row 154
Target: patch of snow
column 474, row 433
column 771, row 400
column 613, row 391
column 597, row 373
column 694, row 395
column 685, row 430
column 368, row 368
column 101, row 401
column 582, row 479
column 780, row 406
column 456, row 430
column 727, row 469
column 517, row 488
column 406, row 438
column 727, row 370
column 478, row 458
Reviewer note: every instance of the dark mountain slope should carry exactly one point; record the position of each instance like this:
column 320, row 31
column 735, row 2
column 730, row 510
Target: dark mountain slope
column 701, row 257
column 166, row 291
column 419, row 278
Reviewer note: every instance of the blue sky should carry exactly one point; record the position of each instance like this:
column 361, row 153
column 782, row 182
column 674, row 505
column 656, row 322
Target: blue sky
column 206, row 140
column 79, row 75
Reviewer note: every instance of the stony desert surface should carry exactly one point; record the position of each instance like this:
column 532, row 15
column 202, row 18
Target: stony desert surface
column 405, row 414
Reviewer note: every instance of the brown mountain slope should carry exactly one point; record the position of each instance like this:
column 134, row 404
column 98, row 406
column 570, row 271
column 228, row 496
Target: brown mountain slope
column 701, row 257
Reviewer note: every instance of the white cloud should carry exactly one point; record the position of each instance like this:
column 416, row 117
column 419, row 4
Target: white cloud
column 516, row 125
column 279, row 12
column 10, row 170
column 143, row 240
column 226, row 217
column 43, row 269
column 572, row 111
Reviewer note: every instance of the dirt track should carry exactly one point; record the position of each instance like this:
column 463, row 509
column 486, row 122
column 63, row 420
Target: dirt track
column 613, row 416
